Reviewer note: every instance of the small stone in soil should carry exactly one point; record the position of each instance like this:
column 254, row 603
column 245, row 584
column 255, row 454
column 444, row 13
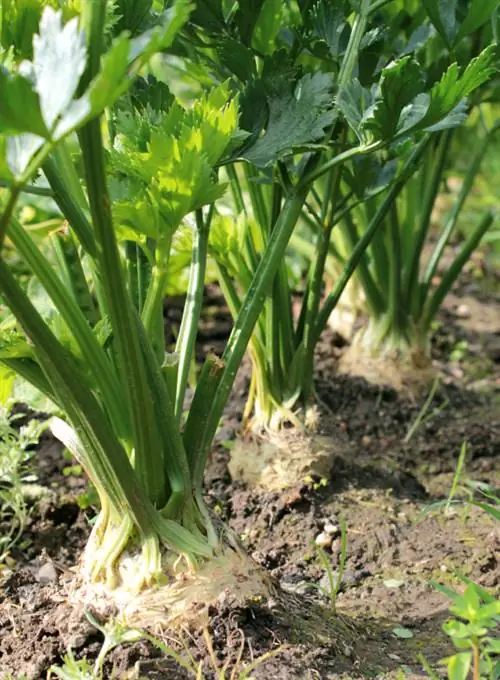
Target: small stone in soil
column 462, row 311
column 323, row 540
column 46, row 574
column 332, row 529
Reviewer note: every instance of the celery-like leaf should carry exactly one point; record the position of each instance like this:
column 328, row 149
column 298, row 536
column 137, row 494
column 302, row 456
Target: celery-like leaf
column 400, row 83
column 442, row 14
column 329, row 24
column 59, row 58
column 401, row 105
column 19, row 106
column 298, row 116
column 447, row 94
column 480, row 11
column 356, row 103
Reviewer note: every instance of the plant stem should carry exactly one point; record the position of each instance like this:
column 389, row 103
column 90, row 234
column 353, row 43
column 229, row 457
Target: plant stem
column 433, row 304
column 152, row 311
column 317, row 172
column 394, row 310
column 149, row 460
column 192, row 310
column 29, row 189
column 352, row 50
column 457, row 207
column 411, row 292
column 363, row 243
column 316, row 278
column 8, row 212
column 250, row 311
column 69, row 207
column 92, row 352
column 106, row 460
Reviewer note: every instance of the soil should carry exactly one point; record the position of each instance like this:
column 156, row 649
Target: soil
column 385, row 485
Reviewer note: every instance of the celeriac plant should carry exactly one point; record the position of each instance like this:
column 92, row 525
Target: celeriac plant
column 99, row 355
column 399, row 103
column 398, row 282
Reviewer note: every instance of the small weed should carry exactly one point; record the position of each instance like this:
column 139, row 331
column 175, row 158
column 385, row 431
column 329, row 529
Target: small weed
column 335, row 580
column 16, row 477
column 475, row 623
column 424, row 415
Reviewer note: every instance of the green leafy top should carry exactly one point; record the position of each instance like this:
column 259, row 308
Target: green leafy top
column 298, row 115
column 400, row 104
column 163, row 162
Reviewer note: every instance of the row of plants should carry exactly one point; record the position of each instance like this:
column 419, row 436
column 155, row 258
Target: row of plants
column 288, row 115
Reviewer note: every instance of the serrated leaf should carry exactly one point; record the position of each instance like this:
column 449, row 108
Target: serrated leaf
column 163, row 162
column 19, row 106
column 268, row 26
column 455, row 118
column 442, row 13
column 446, row 95
column 355, row 102
column 480, row 11
column 237, row 58
column 329, row 25
column 400, row 82
column 59, row 56
column 297, row 117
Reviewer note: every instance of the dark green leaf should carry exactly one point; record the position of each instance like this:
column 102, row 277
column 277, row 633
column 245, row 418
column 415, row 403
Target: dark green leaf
column 132, row 13
column 237, row 58
column 246, row 18
column 19, row 106
column 400, row 83
column 328, row 21
column 297, row 116
column 209, row 15
column 442, row 13
column 355, row 102
column 480, row 11
column 447, row 94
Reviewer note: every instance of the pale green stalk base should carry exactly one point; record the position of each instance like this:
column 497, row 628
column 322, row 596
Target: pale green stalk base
column 270, row 456
column 348, row 311
column 392, row 360
column 179, row 592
